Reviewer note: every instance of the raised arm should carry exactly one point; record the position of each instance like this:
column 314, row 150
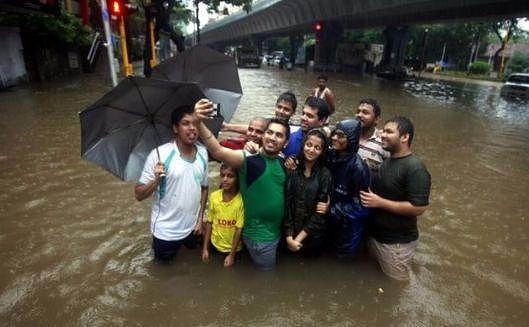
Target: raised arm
column 231, row 157
column 237, row 128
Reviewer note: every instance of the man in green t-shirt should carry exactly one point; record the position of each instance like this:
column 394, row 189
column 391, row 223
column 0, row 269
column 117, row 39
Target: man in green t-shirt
column 399, row 195
column 261, row 181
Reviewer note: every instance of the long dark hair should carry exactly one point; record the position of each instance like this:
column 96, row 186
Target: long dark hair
column 321, row 159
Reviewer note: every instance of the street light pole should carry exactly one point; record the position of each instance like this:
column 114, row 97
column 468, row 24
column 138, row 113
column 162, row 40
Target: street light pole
column 108, row 37
column 423, row 56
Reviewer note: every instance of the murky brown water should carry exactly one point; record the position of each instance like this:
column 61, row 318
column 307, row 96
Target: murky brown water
column 75, row 246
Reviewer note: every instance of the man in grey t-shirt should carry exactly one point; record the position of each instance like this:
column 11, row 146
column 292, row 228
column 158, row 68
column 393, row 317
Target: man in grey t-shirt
column 399, row 195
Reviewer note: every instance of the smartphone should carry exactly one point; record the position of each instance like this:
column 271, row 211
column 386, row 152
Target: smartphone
column 215, row 111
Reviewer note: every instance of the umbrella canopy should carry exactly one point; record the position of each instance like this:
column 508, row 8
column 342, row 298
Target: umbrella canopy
column 214, row 72
column 119, row 130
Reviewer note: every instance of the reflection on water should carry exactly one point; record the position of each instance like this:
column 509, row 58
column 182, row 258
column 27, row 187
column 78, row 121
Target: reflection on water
column 76, row 247
column 481, row 100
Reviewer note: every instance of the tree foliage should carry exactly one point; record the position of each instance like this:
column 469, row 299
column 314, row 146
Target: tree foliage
column 63, row 28
column 479, row 68
column 518, row 63
column 505, row 31
column 213, row 5
column 459, row 40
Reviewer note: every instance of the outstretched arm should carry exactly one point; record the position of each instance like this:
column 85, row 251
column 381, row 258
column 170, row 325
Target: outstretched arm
column 231, row 157
column 237, row 128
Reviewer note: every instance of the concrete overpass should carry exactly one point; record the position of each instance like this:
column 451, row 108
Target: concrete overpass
column 270, row 18
column 294, row 18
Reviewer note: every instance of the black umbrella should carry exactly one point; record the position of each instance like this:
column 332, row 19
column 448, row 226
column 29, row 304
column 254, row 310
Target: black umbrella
column 126, row 124
column 214, row 72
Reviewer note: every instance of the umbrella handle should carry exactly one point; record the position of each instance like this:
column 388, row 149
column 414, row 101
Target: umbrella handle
column 158, row 154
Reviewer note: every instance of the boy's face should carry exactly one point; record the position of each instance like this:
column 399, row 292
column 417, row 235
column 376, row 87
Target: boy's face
column 284, row 110
column 186, row 130
column 228, row 179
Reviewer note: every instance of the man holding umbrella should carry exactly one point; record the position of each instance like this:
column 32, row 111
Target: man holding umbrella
column 177, row 174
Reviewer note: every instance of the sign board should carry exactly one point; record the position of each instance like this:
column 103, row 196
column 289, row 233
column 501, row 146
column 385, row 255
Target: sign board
column 73, row 60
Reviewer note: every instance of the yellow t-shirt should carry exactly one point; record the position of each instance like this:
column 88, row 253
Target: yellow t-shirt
column 224, row 217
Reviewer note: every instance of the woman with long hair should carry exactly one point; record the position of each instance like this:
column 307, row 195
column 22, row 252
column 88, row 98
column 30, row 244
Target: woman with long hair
column 308, row 184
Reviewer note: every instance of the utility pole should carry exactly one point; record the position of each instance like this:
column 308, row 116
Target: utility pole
column 443, row 55
column 197, row 21
column 108, row 37
column 423, row 56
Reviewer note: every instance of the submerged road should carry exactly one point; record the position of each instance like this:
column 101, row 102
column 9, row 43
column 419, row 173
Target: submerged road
column 75, row 245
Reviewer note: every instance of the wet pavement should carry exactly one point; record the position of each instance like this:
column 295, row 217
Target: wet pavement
column 75, row 245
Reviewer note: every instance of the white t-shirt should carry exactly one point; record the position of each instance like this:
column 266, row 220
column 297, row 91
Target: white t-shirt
column 177, row 198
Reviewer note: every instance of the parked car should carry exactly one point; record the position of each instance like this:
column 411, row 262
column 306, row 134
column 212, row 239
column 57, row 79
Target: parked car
column 268, row 59
column 516, row 86
column 248, row 57
column 281, row 58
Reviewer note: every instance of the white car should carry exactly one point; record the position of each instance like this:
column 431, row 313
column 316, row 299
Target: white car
column 516, row 86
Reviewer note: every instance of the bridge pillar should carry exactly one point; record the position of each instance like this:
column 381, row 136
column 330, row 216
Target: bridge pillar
column 393, row 57
column 326, row 43
column 296, row 40
column 259, row 44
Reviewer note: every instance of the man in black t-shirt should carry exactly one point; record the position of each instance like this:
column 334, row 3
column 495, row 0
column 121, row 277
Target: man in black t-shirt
column 399, row 195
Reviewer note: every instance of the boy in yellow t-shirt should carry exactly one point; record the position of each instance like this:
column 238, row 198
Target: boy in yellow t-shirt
column 225, row 217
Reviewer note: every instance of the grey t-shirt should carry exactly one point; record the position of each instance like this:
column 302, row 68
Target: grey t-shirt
column 400, row 179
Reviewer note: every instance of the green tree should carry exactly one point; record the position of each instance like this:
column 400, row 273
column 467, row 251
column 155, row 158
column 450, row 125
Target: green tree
column 62, row 29
column 370, row 35
column 461, row 43
column 518, row 63
column 505, row 30
column 213, row 6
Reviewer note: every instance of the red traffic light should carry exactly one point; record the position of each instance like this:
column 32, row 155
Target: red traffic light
column 318, row 27
column 116, row 8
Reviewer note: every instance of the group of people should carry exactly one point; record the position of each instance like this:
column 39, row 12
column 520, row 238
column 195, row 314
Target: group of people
column 304, row 189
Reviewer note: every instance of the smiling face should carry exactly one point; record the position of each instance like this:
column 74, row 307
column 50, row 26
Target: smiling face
column 186, row 130
column 284, row 110
column 256, row 131
column 339, row 140
column 366, row 115
column 313, row 148
column 310, row 119
column 391, row 138
column 274, row 139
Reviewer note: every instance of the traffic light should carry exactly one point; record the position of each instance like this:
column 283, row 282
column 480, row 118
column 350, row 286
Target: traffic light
column 318, row 31
column 116, row 8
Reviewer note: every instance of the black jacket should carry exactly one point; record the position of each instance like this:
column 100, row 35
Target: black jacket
column 347, row 216
column 317, row 190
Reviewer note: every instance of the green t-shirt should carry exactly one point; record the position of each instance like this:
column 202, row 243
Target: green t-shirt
column 262, row 183
column 400, row 179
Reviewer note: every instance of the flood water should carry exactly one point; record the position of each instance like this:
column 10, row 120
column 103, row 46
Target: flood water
column 75, row 245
